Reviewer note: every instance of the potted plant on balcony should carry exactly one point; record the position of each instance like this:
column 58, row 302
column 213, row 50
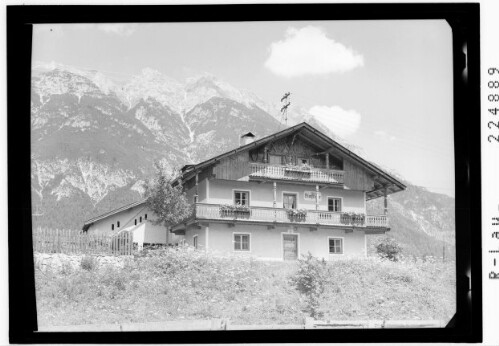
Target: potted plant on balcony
column 297, row 215
column 345, row 218
column 358, row 219
column 354, row 219
column 236, row 211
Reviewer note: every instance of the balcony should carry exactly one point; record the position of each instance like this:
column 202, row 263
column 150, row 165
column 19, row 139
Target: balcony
column 260, row 171
column 203, row 211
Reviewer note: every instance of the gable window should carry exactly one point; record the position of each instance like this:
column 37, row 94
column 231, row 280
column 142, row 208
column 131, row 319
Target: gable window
column 118, row 224
column 334, row 204
column 335, row 245
column 289, row 200
column 135, row 222
column 145, row 217
column 112, row 227
column 241, row 242
column 276, row 160
column 241, row 197
column 195, row 241
column 140, row 219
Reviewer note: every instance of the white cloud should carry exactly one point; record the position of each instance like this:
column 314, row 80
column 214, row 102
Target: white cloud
column 385, row 136
column 308, row 51
column 342, row 123
column 120, row 29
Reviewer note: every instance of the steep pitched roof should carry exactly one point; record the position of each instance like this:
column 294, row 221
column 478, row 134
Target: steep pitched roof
column 383, row 178
column 89, row 222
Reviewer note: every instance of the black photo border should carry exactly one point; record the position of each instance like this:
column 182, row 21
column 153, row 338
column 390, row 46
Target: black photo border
column 466, row 326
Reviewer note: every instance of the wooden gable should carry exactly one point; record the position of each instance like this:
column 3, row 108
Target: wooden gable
column 233, row 167
column 289, row 146
column 356, row 177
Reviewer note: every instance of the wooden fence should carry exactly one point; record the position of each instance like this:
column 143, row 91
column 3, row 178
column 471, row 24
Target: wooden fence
column 67, row 241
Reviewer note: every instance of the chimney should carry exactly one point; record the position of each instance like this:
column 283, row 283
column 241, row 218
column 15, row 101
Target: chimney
column 246, row 138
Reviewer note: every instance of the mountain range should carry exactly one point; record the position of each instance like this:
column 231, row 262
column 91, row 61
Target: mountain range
column 94, row 139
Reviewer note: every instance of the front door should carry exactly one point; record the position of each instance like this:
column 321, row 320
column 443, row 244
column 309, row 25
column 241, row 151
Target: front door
column 290, row 246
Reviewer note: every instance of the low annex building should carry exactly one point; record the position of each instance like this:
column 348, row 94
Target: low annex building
column 287, row 194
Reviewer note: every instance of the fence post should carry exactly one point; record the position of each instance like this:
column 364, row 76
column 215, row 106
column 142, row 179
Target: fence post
column 131, row 242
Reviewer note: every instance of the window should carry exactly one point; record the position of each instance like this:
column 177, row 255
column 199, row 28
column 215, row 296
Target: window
column 291, row 160
column 241, row 197
column 118, row 224
column 135, row 222
column 334, row 204
column 195, row 241
column 289, row 200
column 145, row 217
column 112, row 227
column 276, row 160
column 335, row 245
column 241, row 242
column 140, row 219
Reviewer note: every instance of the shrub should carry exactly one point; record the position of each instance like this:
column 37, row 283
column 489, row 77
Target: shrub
column 88, row 262
column 389, row 248
column 311, row 280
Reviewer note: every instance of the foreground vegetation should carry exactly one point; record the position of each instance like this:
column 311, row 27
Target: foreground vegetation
column 180, row 283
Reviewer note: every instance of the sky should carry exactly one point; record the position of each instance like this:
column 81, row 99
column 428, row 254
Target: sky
column 383, row 86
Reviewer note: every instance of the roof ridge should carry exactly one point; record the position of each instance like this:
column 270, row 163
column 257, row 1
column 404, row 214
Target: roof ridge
column 114, row 211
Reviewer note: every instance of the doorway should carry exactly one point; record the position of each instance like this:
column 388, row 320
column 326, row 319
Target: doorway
column 290, row 246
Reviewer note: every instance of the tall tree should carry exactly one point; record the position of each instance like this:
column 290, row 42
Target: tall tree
column 165, row 197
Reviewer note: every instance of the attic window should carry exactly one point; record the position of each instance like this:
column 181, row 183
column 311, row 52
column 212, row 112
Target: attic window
column 112, row 227
column 118, row 224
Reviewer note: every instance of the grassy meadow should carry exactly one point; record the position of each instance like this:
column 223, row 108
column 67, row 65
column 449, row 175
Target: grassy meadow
column 182, row 284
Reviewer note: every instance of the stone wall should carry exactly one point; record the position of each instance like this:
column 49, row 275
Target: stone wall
column 58, row 262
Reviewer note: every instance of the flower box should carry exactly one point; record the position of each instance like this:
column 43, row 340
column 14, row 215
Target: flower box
column 297, row 215
column 235, row 211
column 353, row 219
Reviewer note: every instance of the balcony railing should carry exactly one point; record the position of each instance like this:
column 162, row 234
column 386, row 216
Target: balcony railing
column 318, row 175
column 280, row 215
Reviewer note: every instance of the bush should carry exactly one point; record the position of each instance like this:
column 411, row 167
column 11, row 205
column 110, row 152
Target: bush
column 311, row 280
column 389, row 248
column 88, row 262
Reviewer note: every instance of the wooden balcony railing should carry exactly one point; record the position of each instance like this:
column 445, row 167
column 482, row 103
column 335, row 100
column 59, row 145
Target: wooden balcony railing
column 280, row 215
column 319, row 175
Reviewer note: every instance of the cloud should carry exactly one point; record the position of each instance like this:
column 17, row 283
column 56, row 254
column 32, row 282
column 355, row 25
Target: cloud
column 308, row 51
column 120, row 29
column 385, row 136
column 342, row 123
